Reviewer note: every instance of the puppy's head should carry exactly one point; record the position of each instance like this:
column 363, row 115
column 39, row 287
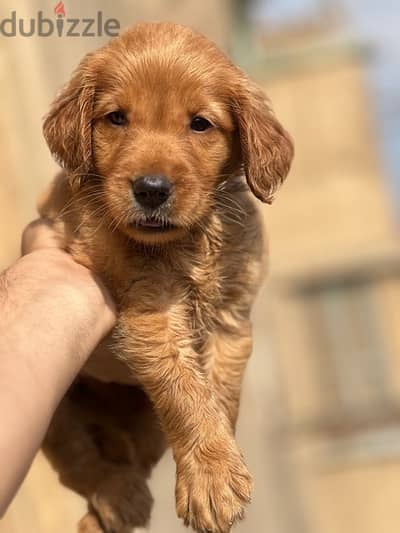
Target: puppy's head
column 151, row 125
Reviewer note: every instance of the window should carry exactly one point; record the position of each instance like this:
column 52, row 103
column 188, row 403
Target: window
column 350, row 365
column 349, row 350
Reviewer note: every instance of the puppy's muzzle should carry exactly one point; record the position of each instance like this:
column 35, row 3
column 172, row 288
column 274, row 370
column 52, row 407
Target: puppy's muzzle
column 152, row 191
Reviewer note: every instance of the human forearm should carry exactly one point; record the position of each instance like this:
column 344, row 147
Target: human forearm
column 53, row 313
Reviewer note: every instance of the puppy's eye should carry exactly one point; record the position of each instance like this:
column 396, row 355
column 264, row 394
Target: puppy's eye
column 117, row 118
column 200, row 124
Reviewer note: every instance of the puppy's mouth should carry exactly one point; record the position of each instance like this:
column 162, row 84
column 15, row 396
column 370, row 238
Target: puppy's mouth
column 154, row 225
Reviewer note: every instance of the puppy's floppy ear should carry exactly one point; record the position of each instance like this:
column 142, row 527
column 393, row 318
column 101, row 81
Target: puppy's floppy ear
column 68, row 126
column 266, row 148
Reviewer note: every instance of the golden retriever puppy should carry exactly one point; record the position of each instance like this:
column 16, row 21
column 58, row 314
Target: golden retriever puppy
column 162, row 141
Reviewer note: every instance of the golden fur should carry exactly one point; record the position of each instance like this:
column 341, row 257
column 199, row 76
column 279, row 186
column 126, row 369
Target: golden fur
column 184, row 290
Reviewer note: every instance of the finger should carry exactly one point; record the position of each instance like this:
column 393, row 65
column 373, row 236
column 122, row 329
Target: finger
column 39, row 234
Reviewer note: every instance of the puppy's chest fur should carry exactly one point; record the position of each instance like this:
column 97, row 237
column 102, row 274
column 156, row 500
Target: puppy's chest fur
column 180, row 288
column 185, row 288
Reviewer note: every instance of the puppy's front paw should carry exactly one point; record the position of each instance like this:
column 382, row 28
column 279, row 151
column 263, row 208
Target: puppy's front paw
column 213, row 488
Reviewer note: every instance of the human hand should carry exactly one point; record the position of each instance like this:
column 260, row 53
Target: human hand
column 54, row 312
column 50, row 263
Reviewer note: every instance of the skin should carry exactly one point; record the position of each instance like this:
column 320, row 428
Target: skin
column 37, row 362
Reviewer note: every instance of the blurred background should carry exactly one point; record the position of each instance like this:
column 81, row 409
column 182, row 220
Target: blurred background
column 320, row 418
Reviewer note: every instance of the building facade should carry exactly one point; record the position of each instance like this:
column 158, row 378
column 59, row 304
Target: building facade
column 333, row 296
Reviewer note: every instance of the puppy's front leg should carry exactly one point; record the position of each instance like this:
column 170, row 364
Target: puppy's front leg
column 213, row 485
column 228, row 349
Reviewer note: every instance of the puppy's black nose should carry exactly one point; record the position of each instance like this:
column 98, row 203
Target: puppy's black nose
column 152, row 191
